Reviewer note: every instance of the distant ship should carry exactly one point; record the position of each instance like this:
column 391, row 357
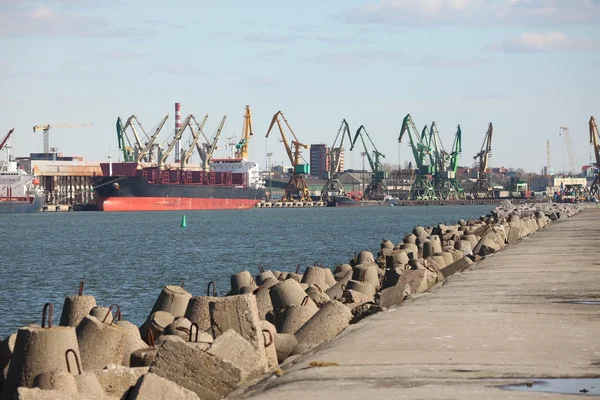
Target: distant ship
column 231, row 184
column 19, row 190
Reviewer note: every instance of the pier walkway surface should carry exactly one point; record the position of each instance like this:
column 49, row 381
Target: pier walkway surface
column 510, row 319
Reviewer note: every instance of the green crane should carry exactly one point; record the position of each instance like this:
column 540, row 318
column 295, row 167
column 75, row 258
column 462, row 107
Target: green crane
column 121, row 136
column 421, row 189
column 333, row 187
column 445, row 184
column 376, row 190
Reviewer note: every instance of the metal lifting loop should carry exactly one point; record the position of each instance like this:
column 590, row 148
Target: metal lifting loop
column 76, row 360
column 214, row 289
column 50, row 308
column 182, row 283
column 261, row 269
column 298, row 268
column 343, row 287
column 117, row 314
column 150, row 337
column 81, row 288
column 305, row 301
column 316, row 264
column 192, row 330
column 270, row 337
column 318, row 288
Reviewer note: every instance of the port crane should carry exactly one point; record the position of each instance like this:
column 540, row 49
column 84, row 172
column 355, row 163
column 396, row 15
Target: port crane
column 139, row 151
column 421, row 189
column 162, row 159
column 445, row 165
column 46, row 131
column 333, row 187
column 595, row 142
column 5, row 139
column 482, row 187
column 241, row 148
column 187, row 154
column 296, row 187
column 208, row 148
column 376, row 190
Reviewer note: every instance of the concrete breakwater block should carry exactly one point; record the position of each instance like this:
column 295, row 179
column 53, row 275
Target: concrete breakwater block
column 205, row 374
column 327, row 323
column 233, row 348
column 39, row 394
column 335, row 292
column 7, row 347
column 287, row 293
column 133, row 340
column 172, row 299
column 240, row 280
column 100, row 343
column 116, row 382
column 366, row 273
column 37, row 351
column 315, row 276
column 156, row 323
column 198, row 311
column 293, row 317
column 153, row 387
column 239, row 313
column 75, row 308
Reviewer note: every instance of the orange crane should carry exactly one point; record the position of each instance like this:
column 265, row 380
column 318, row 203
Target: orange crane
column 595, row 141
column 241, row 148
column 46, row 130
column 296, row 189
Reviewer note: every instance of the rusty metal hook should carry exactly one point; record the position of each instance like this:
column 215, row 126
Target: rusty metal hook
column 214, row 288
column 270, row 337
column 318, row 288
column 261, row 269
column 182, row 283
column 76, row 360
column 298, row 268
column 305, row 301
column 150, row 337
column 343, row 287
column 117, row 314
column 50, row 308
column 191, row 330
column 81, row 288
column 316, row 264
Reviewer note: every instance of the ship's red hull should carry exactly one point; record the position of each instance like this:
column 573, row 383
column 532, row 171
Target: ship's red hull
column 171, row 203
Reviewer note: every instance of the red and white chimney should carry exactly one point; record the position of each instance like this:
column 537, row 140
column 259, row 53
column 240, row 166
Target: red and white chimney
column 177, row 126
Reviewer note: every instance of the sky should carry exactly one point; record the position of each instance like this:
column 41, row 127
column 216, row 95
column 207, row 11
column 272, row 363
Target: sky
column 527, row 66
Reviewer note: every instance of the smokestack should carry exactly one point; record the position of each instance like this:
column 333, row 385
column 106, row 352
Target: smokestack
column 177, row 126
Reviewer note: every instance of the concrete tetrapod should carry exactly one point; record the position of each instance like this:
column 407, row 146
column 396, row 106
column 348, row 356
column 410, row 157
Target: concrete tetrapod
column 38, row 350
column 100, row 343
column 240, row 280
column 198, row 311
column 327, row 323
column 153, row 387
column 172, row 299
column 75, row 308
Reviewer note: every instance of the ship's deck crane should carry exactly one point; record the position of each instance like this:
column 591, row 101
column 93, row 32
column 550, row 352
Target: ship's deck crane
column 482, row 188
column 296, row 187
column 421, row 189
column 445, row 165
column 178, row 133
column 241, row 148
column 139, row 151
column 595, row 141
column 208, row 148
column 5, row 139
column 333, row 187
column 187, row 154
column 46, row 131
column 376, row 190
column 146, row 151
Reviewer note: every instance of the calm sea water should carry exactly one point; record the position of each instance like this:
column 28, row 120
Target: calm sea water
column 126, row 258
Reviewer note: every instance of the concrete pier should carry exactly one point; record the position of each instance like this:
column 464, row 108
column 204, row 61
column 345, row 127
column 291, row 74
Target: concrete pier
column 509, row 319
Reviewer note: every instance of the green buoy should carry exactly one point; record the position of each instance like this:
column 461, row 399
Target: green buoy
column 183, row 223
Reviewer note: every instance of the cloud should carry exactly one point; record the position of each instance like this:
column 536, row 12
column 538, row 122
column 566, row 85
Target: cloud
column 258, row 82
column 483, row 13
column 28, row 19
column 271, row 55
column 180, row 69
column 450, row 62
column 274, row 39
column 123, row 54
column 536, row 42
column 341, row 41
column 359, row 59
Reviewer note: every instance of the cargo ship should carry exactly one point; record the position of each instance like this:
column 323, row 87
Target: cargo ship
column 230, row 184
column 19, row 190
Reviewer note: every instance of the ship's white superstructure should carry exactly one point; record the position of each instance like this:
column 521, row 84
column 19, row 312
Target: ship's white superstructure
column 236, row 165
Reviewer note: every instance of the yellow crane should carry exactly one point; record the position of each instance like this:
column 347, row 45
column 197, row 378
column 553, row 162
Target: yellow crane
column 241, row 148
column 296, row 187
column 46, row 130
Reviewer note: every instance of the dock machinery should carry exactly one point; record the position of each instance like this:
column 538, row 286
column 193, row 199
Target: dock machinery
column 196, row 134
column 241, row 148
column 333, row 187
column 376, row 190
column 296, row 189
column 595, row 141
column 139, row 151
column 445, row 166
column 482, row 188
column 422, row 188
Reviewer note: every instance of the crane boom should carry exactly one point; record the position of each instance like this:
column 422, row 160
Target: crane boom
column 210, row 147
column 5, row 139
column 146, row 150
column 483, row 188
column 196, row 136
column 595, row 141
column 241, row 148
column 376, row 190
column 46, row 130
column 176, row 138
column 333, row 187
column 421, row 188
